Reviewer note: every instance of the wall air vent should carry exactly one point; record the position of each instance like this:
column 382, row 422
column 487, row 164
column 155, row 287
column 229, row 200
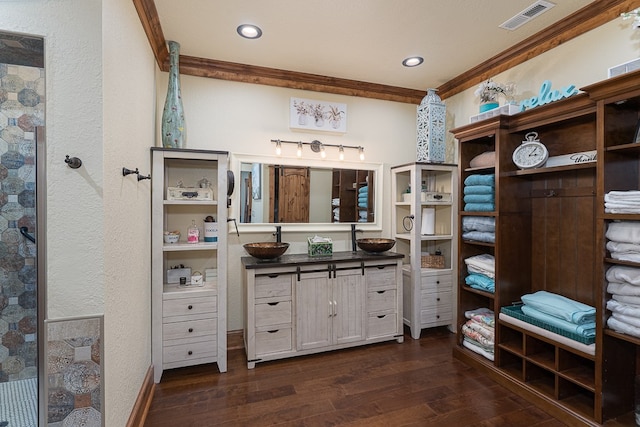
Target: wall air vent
column 527, row 15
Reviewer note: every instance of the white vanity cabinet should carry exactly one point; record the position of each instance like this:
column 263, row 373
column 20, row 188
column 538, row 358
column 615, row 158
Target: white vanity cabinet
column 299, row 305
column 188, row 320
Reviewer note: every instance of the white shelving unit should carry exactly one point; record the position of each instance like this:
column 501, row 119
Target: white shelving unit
column 189, row 322
column 428, row 293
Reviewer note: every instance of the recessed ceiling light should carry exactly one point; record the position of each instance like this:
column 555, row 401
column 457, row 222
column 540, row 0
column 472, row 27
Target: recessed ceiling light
column 249, row 31
column 413, row 61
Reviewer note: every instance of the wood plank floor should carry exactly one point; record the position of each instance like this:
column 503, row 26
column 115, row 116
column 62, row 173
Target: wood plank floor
column 417, row 383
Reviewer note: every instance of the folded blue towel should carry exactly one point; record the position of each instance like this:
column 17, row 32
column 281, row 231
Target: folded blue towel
column 479, row 179
column 363, row 189
column 479, row 207
column 480, row 281
column 587, row 330
column 479, row 189
column 479, row 198
column 480, row 236
column 479, row 223
column 561, row 307
column 363, row 198
column 362, row 204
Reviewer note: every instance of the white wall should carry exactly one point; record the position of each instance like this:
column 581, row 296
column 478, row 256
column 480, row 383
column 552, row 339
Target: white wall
column 129, row 114
column 243, row 118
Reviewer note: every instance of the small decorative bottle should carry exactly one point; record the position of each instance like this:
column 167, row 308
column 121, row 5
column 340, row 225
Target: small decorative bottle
column 193, row 233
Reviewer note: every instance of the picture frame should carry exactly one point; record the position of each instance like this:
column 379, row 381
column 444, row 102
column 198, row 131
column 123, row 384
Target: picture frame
column 636, row 136
column 313, row 115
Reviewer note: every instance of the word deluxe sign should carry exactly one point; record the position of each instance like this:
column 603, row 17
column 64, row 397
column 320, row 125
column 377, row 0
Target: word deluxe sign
column 547, row 95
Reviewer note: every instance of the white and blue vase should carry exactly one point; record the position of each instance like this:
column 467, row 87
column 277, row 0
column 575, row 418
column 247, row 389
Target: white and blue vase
column 173, row 125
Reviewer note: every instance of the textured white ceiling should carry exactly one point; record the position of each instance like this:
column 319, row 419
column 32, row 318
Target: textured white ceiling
column 363, row 40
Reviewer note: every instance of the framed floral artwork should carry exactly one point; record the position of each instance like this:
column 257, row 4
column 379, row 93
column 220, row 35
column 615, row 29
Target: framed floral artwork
column 317, row 115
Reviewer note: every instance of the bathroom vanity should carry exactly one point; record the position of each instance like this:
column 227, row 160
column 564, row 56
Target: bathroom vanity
column 297, row 305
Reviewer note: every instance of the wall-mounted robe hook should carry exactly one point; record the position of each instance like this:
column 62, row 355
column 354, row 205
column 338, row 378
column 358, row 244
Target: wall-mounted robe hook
column 141, row 177
column 73, row 162
column 126, row 171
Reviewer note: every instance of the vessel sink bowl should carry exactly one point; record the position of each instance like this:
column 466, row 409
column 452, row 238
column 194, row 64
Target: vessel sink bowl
column 375, row 244
column 266, row 250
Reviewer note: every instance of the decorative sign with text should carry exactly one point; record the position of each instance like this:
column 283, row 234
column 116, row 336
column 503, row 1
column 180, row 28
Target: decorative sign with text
column 548, row 95
column 572, row 159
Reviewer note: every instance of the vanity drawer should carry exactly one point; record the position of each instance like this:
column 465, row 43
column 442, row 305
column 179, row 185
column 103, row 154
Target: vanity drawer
column 442, row 300
column 436, row 316
column 273, row 313
column 382, row 324
column 381, row 300
column 274, row 341
column 437, row 282
column 275, row 285
column 189, row 329
column 187, row 306
column 189, row 351
column 382, row 277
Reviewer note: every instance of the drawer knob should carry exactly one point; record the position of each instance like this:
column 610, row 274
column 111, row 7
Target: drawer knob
column 437, row 299
column 437, row 282
column 190, row 330
column 437, row 316
column 382, row 316
column 190, row 307
column 273, row 303
column 189, row 352
column 381, row 292
column 273, row 332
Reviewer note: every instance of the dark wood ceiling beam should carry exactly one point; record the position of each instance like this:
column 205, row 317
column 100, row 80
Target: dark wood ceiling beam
column 202, row 67
column 588, row 18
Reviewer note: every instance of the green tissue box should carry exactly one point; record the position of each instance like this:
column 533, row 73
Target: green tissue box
column 319, row 248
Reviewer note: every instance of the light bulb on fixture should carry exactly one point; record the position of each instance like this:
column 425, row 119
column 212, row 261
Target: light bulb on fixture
column 323, row 153
column 361, row 150
column 299, row 152
column 278, row 148
column 341, row 154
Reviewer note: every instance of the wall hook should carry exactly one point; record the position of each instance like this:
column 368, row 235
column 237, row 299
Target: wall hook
column 141, row 177
column 126, row 171
column 73, row 162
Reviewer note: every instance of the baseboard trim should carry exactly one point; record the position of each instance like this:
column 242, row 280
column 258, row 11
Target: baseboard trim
column 143, row 402
column 235, row 340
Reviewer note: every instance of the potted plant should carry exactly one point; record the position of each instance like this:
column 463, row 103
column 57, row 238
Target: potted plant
column 335, row 116
column 488, row 93
column 303, row 110
column 318, row 113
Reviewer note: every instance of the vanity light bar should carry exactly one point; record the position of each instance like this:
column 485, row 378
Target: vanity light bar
column 317, row 147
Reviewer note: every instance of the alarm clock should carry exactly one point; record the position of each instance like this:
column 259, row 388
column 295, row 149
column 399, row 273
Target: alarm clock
column 531, row 153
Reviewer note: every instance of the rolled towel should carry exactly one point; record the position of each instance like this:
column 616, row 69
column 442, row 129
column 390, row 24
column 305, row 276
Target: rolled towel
column 560, row 307
column 364, row 189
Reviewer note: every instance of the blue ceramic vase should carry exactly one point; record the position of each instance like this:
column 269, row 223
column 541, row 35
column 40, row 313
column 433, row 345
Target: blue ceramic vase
column 173, row 126
column 486, row 106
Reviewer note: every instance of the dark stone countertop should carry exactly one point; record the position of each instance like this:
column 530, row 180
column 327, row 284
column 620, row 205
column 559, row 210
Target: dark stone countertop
column 250, row 262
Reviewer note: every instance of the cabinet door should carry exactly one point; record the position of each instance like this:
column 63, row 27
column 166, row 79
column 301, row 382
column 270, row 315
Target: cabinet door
column 348, row 293
column 314, row 308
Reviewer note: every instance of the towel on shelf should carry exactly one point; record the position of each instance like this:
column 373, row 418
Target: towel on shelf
column 484, row 160
column 481, row 328
column 363, row 198
column 623, row 274
column 630, row 196
column 624, row 251
column 363, row 190
column 479, row 223
column 587, row 330
column 624, row 232
column 623, row 289
column 479, row 198
column 622, row 201
column 478, row 189
column 479, row 236
column 560, row 307
column 479, row 207
column 481, row 282
column 476, row 348
column 481, row 179
column 627, row 299
column 623, row 327
column 477, row 336
column 362, row 204
column 482, row 315
column 629, row 320
column 626, row 309
column 482, row 264
column 482, row 311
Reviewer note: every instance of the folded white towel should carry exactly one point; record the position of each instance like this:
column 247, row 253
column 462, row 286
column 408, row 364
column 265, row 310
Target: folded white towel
column 615, row 210
column 623, row 274
column 626, row 299
column 623, row 289
column 629, row 320
column 623, row 327
column 624, row 231
column 626, row 256
column 622, row 195
column 626, row 309
column 483, row 264
column 622, row 248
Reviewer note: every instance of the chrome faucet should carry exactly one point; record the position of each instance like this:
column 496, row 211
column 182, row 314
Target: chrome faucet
column 278, row 233
column 353, row 237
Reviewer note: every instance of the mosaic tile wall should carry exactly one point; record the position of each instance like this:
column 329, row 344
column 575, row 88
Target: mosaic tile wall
column 74, row 384
column 21, row 110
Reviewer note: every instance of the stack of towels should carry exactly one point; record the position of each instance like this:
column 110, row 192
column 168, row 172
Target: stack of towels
column 363, row 197
column 624, row 240
column 622, row 202
column 481, row 269
column 479, row 193
column 479, row 228
column 624, row 287
column 561, row 312
column 336, row 214
column 479, row 332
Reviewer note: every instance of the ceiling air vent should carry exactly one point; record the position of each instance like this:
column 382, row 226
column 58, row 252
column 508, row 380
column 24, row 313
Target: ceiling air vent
column 527, row 15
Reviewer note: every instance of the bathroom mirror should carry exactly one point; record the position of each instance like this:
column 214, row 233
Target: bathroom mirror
column 305, row 194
